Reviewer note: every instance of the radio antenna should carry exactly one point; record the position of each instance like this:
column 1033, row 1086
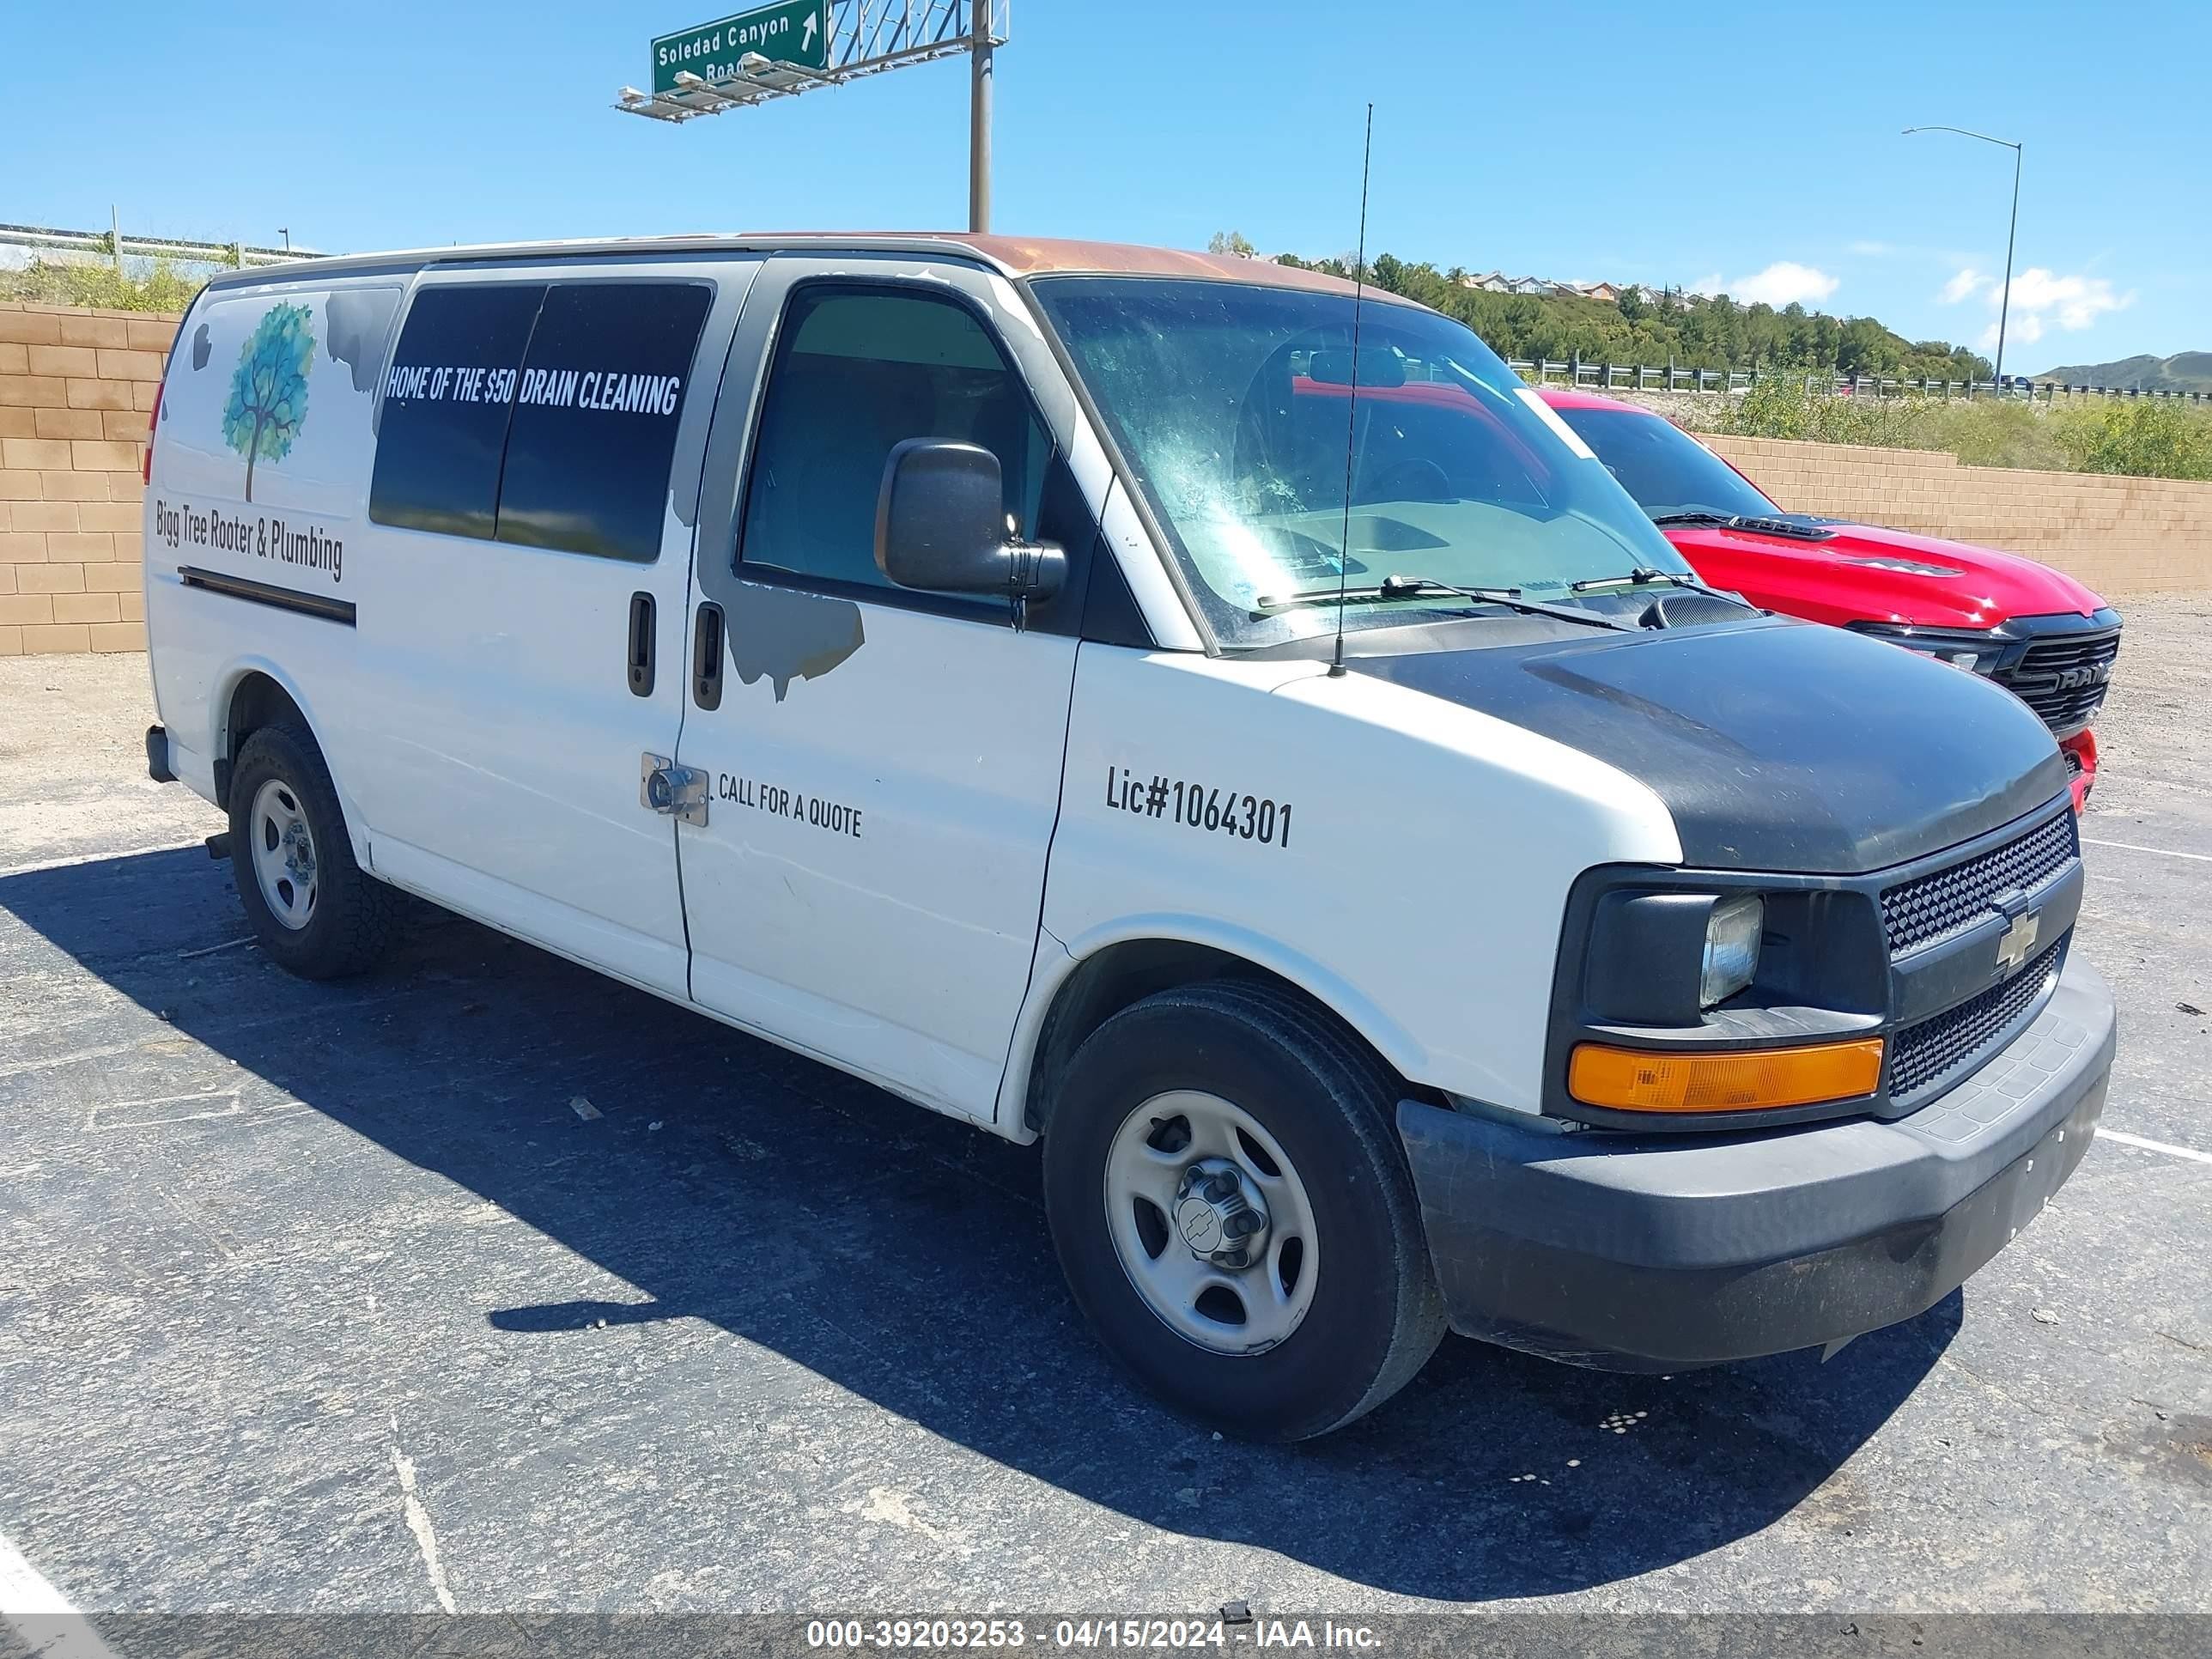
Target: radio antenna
column 1351, row 402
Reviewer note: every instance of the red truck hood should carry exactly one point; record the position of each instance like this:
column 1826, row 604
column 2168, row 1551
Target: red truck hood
column 1848, row 577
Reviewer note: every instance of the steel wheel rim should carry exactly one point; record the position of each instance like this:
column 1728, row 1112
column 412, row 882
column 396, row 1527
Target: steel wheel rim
column 1149, row 1165
column 283, row 853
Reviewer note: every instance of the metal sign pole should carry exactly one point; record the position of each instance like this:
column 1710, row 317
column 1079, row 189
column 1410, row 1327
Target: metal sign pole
column 979, row 118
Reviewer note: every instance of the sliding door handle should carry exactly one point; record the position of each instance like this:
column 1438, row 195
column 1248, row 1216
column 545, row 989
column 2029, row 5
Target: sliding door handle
column 706, row 656
column 641, row 644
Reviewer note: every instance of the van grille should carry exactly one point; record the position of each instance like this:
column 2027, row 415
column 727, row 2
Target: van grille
column 1925, row 1055
column 2063, row 679
column 1928, row 908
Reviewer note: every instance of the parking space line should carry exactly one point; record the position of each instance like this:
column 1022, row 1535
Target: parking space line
column 2170, row 1151
column 418, row 1520
column 23, row 1589
column 2163, row 852
column 53, row 1628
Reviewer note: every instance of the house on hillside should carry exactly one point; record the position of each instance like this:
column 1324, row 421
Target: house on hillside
column 1497, row 281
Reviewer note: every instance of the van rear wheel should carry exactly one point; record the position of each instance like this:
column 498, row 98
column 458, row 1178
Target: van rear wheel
column 310, row 904
column 1234, row 1213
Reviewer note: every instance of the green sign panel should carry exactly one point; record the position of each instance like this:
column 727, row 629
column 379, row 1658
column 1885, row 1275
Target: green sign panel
column 792, row 31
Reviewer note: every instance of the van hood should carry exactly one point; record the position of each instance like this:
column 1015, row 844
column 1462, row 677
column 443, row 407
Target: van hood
column 1776, row 746
column 1862, row 573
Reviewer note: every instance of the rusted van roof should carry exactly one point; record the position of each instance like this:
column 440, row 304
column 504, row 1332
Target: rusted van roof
column 1016, row 256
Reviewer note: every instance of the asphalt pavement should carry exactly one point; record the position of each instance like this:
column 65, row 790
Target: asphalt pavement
column 483, row 1282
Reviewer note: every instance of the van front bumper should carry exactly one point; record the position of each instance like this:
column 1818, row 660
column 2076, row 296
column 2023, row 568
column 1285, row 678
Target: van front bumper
column 1665, row 1252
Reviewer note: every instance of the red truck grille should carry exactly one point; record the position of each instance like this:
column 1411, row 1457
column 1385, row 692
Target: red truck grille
column 2063, row 679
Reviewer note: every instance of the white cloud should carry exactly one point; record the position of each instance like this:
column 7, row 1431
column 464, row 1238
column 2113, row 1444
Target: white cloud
column 1967, row 282
column 2079, row 300
column 2039, row 298
column 1784, row 283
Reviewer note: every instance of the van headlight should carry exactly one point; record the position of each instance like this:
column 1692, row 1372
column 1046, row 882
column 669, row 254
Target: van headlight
column 1658, row 956
column 1731, row 955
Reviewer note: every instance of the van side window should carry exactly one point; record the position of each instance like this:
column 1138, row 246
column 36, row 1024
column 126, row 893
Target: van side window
column 595, row 417
column 858, row 371
column 441, row 428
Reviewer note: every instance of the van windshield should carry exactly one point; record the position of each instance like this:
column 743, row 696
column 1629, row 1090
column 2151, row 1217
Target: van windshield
column 1234, row 406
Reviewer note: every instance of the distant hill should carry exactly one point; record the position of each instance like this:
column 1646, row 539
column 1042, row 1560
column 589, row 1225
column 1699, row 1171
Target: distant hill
column 2185, row 371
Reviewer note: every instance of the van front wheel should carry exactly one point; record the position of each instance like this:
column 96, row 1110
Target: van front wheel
column 310, row 904
column 1234, row 1213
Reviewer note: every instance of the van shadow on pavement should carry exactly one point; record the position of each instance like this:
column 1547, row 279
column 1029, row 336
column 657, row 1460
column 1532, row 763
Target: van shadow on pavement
column 905, row 1258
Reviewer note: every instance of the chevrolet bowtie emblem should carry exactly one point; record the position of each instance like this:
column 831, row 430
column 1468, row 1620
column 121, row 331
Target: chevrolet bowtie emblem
column 2016, row 941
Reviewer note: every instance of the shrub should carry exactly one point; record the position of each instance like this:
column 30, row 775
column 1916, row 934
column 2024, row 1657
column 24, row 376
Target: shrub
column 65, row 282
column 2150, row 439
column 2144, row 438
column 1997, row 432
column 1782, row 406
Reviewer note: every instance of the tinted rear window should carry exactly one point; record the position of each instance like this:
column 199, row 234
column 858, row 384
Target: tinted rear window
column 543, row 415
column 595, row 417
column 447, row 395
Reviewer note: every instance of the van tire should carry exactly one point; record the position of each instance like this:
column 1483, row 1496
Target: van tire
column 1374, row 1315
column 353, row 914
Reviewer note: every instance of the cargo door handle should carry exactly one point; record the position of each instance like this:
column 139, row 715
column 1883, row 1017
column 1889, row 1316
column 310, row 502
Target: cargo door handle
column 641, row 644
column 706, row 656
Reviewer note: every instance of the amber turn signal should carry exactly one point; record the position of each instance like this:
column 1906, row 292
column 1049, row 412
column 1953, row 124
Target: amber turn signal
column 1743, row 1080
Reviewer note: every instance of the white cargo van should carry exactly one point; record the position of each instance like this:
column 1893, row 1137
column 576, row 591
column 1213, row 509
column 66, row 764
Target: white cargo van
column 1158, row 704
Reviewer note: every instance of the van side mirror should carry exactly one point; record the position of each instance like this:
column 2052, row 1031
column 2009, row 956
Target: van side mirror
column 941, row 526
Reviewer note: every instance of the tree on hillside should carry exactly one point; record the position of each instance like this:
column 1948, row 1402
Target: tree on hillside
column 1662, row 326
column 1230, row 241
column 1865, row 347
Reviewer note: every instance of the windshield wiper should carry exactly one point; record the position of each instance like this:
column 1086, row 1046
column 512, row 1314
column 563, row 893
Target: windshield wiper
column 1400, row 587
column 1645, row 573
column 1761, row 522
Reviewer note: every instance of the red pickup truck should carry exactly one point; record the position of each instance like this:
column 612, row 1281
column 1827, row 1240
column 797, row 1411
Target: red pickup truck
column 2033, row 629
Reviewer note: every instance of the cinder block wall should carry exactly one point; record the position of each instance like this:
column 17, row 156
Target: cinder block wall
column 77, row 389
column 2117, row 535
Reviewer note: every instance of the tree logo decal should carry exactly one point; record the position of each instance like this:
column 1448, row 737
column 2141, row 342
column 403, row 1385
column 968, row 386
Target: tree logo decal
column 269, row 393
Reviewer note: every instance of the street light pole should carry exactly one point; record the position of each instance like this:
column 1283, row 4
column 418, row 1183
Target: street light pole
column 979, row 116
column 2004, row 304
column 2012, row 232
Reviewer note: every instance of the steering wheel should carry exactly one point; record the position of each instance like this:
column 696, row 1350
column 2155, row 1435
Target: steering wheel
column 1402, row 481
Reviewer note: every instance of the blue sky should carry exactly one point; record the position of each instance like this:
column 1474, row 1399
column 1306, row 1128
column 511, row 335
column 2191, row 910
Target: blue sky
column 1753, row 147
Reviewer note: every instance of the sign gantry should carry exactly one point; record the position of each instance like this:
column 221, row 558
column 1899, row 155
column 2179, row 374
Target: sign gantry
column 791, row 46
column 795, row 45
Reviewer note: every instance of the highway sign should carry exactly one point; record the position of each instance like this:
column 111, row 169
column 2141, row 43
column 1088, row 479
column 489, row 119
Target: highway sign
column 789, row 32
